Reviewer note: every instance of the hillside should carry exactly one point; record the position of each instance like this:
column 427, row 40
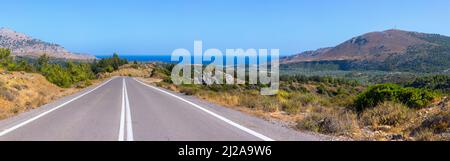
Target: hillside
column 24, row 45
column 390, row 50
column 21, row 91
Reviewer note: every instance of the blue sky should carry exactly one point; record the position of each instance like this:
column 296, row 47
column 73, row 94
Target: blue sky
column 158, row 27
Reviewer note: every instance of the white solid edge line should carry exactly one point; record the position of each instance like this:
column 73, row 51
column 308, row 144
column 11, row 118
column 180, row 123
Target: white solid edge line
column 122, row 114
column 254, row 133
column 130, row 136
column 6, row 131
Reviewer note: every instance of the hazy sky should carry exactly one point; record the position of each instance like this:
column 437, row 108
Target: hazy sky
column 157, row 27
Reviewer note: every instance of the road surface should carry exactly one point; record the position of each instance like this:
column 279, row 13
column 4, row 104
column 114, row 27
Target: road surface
column 125, row 109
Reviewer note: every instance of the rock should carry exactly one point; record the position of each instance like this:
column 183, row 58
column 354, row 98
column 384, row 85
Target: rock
column 396, row 137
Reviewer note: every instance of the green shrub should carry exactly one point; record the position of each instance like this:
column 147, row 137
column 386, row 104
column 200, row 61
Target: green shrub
column 65, row 77
column 57, row 75
column 388, row 113
column 376, row 94
column 7, row 62
column 79, row 72
column 21, row 66
column 5, row 59
column 412, row 97
column 416, row 98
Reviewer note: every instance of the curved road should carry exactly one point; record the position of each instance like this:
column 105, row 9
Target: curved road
column 125, row 109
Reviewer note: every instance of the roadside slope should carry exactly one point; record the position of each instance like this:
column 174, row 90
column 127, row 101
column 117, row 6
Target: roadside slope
column 21, row 91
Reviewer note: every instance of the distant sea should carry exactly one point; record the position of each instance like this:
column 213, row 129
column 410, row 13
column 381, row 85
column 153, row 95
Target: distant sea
column 148, row 58
column 143, row 58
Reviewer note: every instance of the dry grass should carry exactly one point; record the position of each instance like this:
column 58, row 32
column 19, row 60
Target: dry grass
column 387, row 114
column 336, row 121
column 25, row 91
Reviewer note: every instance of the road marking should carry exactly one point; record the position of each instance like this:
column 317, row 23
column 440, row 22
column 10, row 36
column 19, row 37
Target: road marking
column 122, row 114
column 254, row 133
column 128, row 113
column 6, row 131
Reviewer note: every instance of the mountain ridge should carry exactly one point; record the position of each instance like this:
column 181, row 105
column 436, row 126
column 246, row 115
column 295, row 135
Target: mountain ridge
column 21, row 44
column 384, row 50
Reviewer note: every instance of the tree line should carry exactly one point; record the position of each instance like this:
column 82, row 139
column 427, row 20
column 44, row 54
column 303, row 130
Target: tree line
column 65, row 74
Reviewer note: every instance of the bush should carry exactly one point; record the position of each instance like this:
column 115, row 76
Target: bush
column 335, row 121
column 323, row 91
column 5, row 59
column 416, row 98
column 412, row 97
column 57, row 75
column 297, row 102
column 388, row 113
column 343, row 100
column 21, row 66
column 65, row 77
column 7, row 62
column 79, row 72
column 291, row 106
column 269, row 104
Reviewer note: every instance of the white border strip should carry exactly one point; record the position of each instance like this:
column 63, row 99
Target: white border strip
column 6, row 131
column 265, row 138
column 130, row 136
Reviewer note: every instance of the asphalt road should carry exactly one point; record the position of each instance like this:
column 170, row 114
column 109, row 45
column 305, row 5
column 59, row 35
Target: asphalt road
column 125, row 109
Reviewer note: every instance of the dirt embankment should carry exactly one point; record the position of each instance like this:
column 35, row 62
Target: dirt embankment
column 20, row 91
